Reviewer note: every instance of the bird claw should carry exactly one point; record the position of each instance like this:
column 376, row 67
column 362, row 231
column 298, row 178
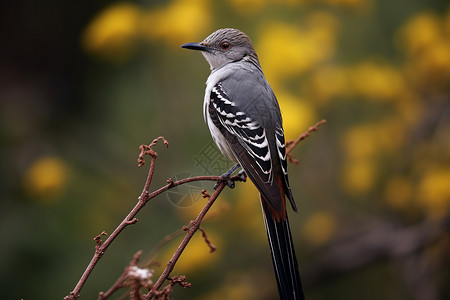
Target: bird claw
column 230, row 183
column 227, row 177
column 242, row 175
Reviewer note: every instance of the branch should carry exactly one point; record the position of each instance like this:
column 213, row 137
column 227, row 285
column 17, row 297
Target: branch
column 195, row 226
column 290, row 145
column 130, row 273
column 211, row 246
column 146, row 196
column 129, row 219
column 167, row 290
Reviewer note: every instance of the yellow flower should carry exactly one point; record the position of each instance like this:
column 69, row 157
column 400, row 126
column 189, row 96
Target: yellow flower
column 434, row 191
column 323, row 26
column 180, row 21
column 359, row 176
column 367, row 141
column 360, row 142
column 435, row 61
column 255, row 6
column 45, row 179
column 298, row 115
column 248, row 6
column 113, row 32
column 420, row 32
column 287, row 50
column 319, row 228
column 328, row 82
column 426, row 41
column 376, row 81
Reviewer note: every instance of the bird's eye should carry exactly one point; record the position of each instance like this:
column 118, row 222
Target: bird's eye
column 225, row 45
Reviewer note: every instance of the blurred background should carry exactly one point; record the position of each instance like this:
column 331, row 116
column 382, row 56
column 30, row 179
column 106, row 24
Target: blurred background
column 84, row 83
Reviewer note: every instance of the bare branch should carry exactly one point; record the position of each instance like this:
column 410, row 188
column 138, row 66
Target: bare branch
column 147, row 150
column 129, row 219
column 120, row 282
column 146, row 196
column 290, row 145
column 211, row 246
column 195, row 225
column 168, row 289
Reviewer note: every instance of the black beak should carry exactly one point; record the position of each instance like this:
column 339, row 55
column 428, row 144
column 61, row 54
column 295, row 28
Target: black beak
column 196, row 46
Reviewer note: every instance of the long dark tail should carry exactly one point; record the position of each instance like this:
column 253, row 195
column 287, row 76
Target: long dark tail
column 283, row 255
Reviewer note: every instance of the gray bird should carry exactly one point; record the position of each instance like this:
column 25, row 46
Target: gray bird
column 244, row 118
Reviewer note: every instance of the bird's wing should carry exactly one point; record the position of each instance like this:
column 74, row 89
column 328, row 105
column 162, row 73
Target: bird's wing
column 250, row 144
column 252, row 137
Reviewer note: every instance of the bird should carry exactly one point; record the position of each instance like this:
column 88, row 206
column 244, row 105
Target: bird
column 244, row 118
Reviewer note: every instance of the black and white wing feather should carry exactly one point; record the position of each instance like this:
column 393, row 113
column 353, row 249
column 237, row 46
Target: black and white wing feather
column 281, row 149
column 249, row 143
column 250, row 135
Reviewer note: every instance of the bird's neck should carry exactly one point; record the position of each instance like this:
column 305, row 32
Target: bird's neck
column 252, row 59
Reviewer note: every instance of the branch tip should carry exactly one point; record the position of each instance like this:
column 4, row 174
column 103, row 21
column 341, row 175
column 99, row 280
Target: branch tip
column 136, row 258
column 205, row 194
column 98, row 239
column 211, row 246
column 132, row 221
column 180, row 280
column 153, row 143
column 147, row 150
column 292, row 159
column 290, row 145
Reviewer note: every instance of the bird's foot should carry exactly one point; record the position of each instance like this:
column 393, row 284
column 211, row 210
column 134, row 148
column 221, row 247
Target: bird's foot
column 230, row 183
column 242, row 175
column 227, row 177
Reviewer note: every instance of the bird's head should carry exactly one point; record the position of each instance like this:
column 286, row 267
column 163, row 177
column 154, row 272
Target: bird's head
column 224, row 46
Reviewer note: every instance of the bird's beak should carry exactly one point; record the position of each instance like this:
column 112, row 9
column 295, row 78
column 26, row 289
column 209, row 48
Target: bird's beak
column 196, row 46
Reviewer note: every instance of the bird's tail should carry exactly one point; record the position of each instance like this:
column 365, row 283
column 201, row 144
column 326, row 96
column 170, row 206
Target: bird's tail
column 283, row 254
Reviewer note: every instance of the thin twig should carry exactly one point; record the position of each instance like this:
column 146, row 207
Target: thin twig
column 164, row 294
column 129, row 220
column 120, row 281
column 208, row 242
column 290, row 145
column 194, row 227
